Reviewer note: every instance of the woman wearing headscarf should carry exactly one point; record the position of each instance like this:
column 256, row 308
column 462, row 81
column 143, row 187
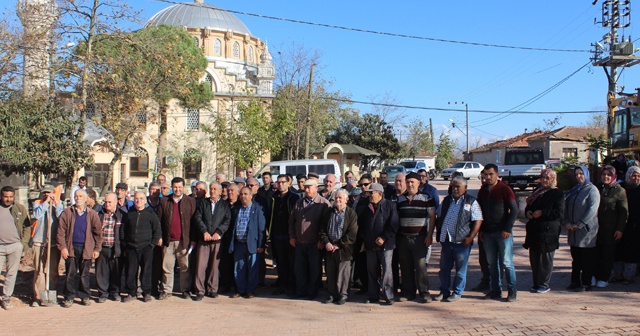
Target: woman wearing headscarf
column 612, row 218
column 628, row 252
column 545, row 211
column 581, row 221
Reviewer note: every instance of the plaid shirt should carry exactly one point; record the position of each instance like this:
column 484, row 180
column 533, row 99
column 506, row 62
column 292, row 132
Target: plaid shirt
column 242, row 224
column 336, row 225
column 109, row 227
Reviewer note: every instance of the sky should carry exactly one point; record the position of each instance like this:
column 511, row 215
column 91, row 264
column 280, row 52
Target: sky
column 433, row 74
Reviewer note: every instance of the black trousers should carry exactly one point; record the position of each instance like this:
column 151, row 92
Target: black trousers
column 156, row 270
column 77, row 275
column 307, row 268
column 582, row 266
column 108, row 272
column 226, row 267
column 606, row 257
column 484, row 264
column 283, row 253
column 142, row 258
column 541, row 266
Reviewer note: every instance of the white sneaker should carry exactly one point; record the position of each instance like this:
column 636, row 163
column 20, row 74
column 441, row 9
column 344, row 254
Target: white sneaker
column 602, row 284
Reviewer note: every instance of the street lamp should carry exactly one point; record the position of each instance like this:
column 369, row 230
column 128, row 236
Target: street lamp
column 453, row 124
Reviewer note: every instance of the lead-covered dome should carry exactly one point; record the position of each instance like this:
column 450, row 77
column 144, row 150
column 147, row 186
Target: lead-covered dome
column 198, row 14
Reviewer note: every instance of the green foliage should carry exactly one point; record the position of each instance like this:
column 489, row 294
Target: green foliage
column 368, row 131
column 444, row 150
column 418, row 139
column 570, row 161
column 38, row 136
column 244, row 138
column 565, row 176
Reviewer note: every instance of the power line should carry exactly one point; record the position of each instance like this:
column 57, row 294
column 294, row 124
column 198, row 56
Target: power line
column 413, row 107
column 367, row 31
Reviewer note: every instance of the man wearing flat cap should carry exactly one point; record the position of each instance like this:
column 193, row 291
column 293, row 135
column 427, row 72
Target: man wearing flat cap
column 304, row 228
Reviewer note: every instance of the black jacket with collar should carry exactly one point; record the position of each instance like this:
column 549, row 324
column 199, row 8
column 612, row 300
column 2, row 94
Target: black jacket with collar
column 349, row 232
column 120, row 218
column 216, row 222
column 384, row 223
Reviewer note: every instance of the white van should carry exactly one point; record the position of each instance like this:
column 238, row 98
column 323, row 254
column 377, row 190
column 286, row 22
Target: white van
column 322, row 167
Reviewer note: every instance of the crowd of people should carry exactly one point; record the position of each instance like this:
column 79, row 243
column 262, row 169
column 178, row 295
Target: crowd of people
column 375, row 236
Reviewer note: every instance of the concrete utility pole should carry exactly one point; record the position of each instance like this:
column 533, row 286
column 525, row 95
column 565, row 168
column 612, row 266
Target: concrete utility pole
column 453, row 124
column 613, row 52
column 306, row 144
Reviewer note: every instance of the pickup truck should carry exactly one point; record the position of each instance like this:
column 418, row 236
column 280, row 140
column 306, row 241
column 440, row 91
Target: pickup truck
column 522, row 168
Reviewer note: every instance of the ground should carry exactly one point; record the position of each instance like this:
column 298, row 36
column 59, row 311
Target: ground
column 609, row 311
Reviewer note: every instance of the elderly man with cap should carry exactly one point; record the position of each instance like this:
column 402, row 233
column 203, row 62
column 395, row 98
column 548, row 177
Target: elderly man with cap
column 108, row 264
column 79, row 240
column 47, row 207
column 337, row 234
column 378, row 224
column 122, row 191
column 240, row 181
column 304, row 226
column 417, row 214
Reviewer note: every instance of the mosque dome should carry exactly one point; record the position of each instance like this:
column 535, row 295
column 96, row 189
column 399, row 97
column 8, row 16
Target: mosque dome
column 198, row 14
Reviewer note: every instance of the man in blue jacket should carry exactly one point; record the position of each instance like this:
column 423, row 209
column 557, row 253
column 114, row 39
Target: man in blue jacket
column 247, row 241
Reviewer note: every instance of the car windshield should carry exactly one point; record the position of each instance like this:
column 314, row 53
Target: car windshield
column 393, row 169
column 409, row 164
column 458, row 165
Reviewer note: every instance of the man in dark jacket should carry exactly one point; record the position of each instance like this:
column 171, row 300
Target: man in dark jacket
column 211, row 219
column 248, row 240
column 175, row 215
column 140, row 232
column 378, row 225
column 108, row 264
column 278, row 231
column 499, row 211
column 338, row 233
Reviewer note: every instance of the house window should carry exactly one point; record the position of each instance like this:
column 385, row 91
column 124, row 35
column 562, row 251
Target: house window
column 193, row 119
column 139, row 165
column 568, row 152
column 250, row 56
column 141, row 117
column 217, row 48
column 209, row 80
column 98, row 175
column 236, row 49
column 499, row 156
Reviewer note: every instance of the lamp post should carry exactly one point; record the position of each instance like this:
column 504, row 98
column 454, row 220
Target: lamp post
column 453, row 124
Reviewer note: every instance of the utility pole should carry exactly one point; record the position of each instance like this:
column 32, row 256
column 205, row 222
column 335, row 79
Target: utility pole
column 433, row 141
column 453, row 124
column 613, row 52
column 310, row 109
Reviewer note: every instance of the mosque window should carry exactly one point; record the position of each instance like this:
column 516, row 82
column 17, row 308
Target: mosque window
column 236, row 49
column 193, row 119
column 139, row 164
column 196, row 41
column 209, row 80
column 217, row 48
column 141, row 117
column 250, row 58
column 90, row 111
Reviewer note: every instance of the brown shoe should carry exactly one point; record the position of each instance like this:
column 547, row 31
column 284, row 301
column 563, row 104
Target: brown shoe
column 251, row 295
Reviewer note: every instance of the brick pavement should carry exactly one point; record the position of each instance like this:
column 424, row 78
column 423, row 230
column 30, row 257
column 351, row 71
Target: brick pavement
column 611, row 311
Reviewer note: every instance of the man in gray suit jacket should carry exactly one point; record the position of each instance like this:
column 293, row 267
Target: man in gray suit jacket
column 248, row 240
column 211, row 220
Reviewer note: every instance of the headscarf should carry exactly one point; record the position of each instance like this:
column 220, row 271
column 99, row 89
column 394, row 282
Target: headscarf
column 630, row 171
column 579, row 186
column 612, row 172
column 540, row 190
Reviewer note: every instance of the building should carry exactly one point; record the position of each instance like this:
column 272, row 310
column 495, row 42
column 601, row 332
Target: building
column 349, row 156
column 558, row 144
column 239, row 69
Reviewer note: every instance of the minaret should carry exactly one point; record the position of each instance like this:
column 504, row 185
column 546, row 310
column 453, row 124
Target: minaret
column 38, row 18
column 266, row 73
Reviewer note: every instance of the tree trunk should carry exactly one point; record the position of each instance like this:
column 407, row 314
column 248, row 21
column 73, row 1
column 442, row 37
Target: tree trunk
column 162, row 132
column 107, row 181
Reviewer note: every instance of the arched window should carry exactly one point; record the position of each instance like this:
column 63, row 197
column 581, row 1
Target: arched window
column 139, row 164
column 197, row 42
column 250, row 56
column 236, row 49
column 217, row 48
column 209, row 80
column 193, row 119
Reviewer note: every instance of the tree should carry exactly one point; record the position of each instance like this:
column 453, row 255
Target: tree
column 445, row 149
column 597, row 119
column 40, row 137
column 244, row 138
column 418, row 139
column 368, row 131
column 140, row 71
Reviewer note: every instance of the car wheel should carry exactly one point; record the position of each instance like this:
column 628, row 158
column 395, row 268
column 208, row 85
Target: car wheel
column 522, row 188
column 445, row 178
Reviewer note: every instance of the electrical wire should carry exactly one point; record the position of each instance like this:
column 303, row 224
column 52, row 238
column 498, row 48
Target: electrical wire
column 367, row 31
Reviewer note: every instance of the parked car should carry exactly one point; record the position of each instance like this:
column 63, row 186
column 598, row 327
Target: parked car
column 467, row 168
column 413, row 166
column 322, row 167
column 393, row 171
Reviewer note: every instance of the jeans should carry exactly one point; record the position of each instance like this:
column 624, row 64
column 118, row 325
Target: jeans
column 11, row 253
column 501, row 250
column 457, row 255
column 245, row 269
